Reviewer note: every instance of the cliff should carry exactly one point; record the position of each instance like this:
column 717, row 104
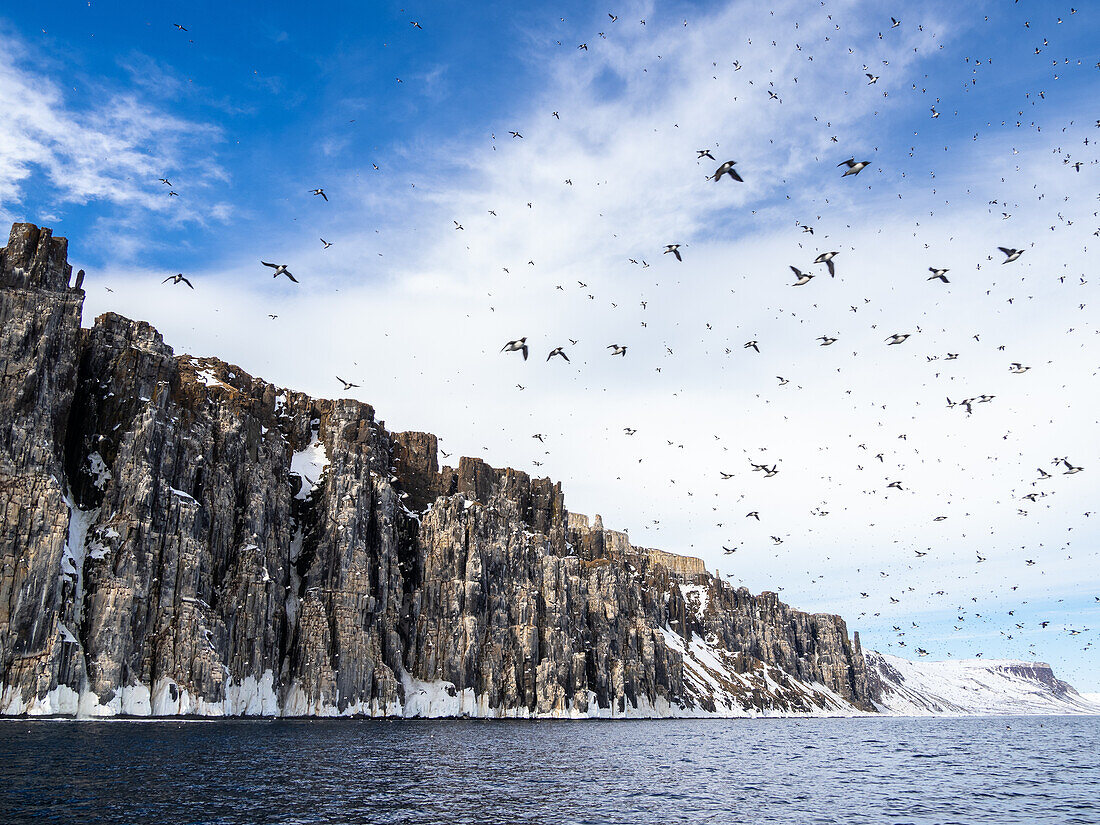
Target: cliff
column 179, row 537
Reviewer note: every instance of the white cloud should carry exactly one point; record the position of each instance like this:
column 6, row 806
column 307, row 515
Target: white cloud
column 111, row 150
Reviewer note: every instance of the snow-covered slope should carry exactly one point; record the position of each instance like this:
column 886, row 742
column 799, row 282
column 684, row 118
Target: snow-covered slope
column 972, row 686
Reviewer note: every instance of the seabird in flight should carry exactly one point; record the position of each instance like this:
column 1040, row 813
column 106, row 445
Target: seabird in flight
column 827, row 259
column 519, row 345
column 175, row 279
column 803, row 277
column 280, row 269
column 853, row 167
column 727, row 169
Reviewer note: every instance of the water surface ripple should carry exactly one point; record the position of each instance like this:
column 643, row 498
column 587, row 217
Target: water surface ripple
column 942, row 771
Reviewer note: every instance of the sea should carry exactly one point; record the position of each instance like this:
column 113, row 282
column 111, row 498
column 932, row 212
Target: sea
column 984, row 770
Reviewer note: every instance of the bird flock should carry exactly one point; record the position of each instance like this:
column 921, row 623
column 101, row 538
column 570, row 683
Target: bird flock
column 761, row 463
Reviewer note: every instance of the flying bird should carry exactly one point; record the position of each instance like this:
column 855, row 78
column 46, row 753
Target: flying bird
column 519, row 345
column 347, row 384
column 617, row 349
column 827, row 259
column 557, row 351
column 674, row 248
column 1010, row 254
column 803, row 277
column 938, row 274
column 280, row 269
column 853, row 167
column 175, row 279
column 727, row 169
column 320, row 192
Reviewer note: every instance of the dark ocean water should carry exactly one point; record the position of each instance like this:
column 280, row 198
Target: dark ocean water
column 990, row 770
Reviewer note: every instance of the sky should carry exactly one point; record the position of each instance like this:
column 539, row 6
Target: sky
column 494, row 172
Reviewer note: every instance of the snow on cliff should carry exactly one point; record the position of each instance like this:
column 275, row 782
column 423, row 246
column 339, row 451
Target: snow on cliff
column 972, row 687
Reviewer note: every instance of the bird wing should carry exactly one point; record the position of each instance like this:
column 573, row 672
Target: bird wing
column 1006, row 251
column 524, row 352
column 796, row 271
column 186, row 281
column 273, row 266
column 832, row 269
column 850, row 162
column 735, row 176
column 290, row 276
column 323, row 195
column 563, row 355
column 166, row 280
column 676, row 252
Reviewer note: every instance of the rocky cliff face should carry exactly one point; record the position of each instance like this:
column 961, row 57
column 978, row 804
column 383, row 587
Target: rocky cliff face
column 179, row 537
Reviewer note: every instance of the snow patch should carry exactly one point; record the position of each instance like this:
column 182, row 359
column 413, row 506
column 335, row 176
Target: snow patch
column 309, row 465
column 97, row 469
column 207, row 377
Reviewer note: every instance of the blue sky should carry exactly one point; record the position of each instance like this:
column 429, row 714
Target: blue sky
column 257, row 104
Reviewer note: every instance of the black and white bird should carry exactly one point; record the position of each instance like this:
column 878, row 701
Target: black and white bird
column 827, row 259
column 617, row 349
column 938, row 274
column 347, row 384
column 326, row 243
column 727, row 169
column 803, row 277
column 519, row 345
column 854, row 168
column 175, row 279
column 280, row 269
column 1018, row 368
column 557, row 351
column 320, row 192
column 1070, row 469
column 826, row 341
column 703, row 153
column 752, row 345
column 1010, row 254
column 897, row 339
column 674, row 248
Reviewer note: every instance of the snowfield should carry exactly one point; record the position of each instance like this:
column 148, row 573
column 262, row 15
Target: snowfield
column 973, row 687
